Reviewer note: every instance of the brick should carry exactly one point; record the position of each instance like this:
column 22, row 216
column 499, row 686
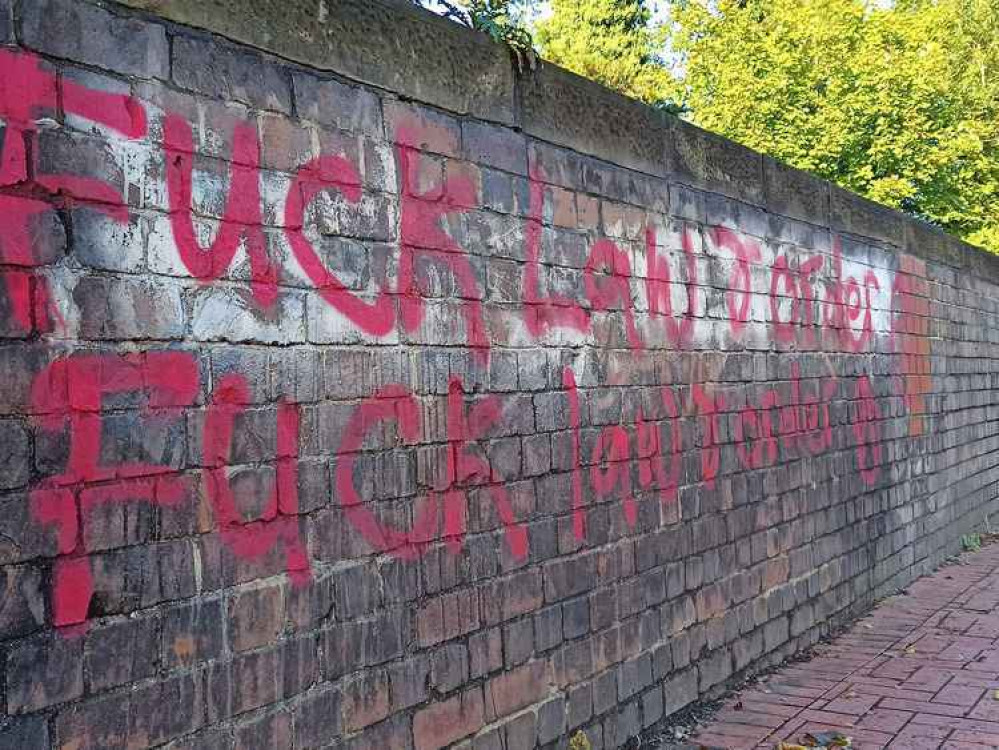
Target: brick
column 268, row 730
column 192, row 632
column 513, row 596
column 634, row 675
column 208, row 67
column 43, row 672
column 337, row 105
column 105, row 645
column 28, row 733
column 518, row 642
column 551, row 720
column 440, row 724
column 255, row 616
column 421, row 128
column 88, row 34
column 515, row 689
column 124, row 309
column 6, row 22
column 679, row 691
column 494, row 146
column 22, row 604
column 485, row 652
column 409, row 681
column 449, row 667
column 579, row 705
column 107, row 245
column 317, row 718
column 15, row 456
column 448, row 616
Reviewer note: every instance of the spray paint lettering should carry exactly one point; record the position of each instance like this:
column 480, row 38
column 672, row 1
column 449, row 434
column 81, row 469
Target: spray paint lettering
column 69, row 395
column 29, row 92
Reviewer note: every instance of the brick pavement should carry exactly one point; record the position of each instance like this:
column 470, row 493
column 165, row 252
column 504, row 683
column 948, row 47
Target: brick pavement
column 921, row 672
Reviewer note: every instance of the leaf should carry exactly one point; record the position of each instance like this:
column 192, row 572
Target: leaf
column 827, row 739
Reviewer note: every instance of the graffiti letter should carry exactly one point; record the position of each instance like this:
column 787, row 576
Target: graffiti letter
column 243, row 212
column 542, row 313
column 746, row 251
column 279, row 521
column 865, row 429
column 658, row 288
column 614, row 289
column 327, row 173
column 423, row 235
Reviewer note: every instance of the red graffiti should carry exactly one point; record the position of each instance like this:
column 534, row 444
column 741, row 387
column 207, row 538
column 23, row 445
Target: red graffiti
column 465, row 426
column 798, row 288
column 814, row 423
column 26, row 93
column 651, row 455
column 710, row 409
column 542, row 313
column 611, row 449
column 865, row 430
column 802, row 423
column 278, row 523
column 242, row 220
column 740, row 291
column 910, row 337
column 755, row 443
column 658, row 289
column 610, row 462
column 71, row 392
column 575, row 425
column 376, row 318
column 421, row 235
column 848, row 306
column 611, row 291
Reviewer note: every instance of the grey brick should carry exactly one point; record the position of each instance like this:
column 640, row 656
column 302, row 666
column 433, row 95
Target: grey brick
column 212, row 68
column 88, row 34
column 338, row 105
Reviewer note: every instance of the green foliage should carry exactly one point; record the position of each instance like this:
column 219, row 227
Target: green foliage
column 897, row 102
column 610, row 41
column 971, row 542
column 580, row 741
column 495, row 18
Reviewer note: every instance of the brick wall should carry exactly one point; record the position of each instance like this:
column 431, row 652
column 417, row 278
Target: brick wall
column 359, row 393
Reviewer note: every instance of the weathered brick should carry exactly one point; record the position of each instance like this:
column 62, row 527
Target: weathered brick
column 318, row 718
column 42, row 672
column 192, row 632
column 267, row 730
column 440, row 724
column 255, row 616
column 114, row 309
column 28, row 733
column 105, row 646
column 515, row 689
column 89, row 34
column 6, row 21
column 494, row 146
column 211, row 68
column 335, row 104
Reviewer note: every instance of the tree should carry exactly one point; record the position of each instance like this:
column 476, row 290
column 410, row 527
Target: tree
column 897, row 102
column 610, row 41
